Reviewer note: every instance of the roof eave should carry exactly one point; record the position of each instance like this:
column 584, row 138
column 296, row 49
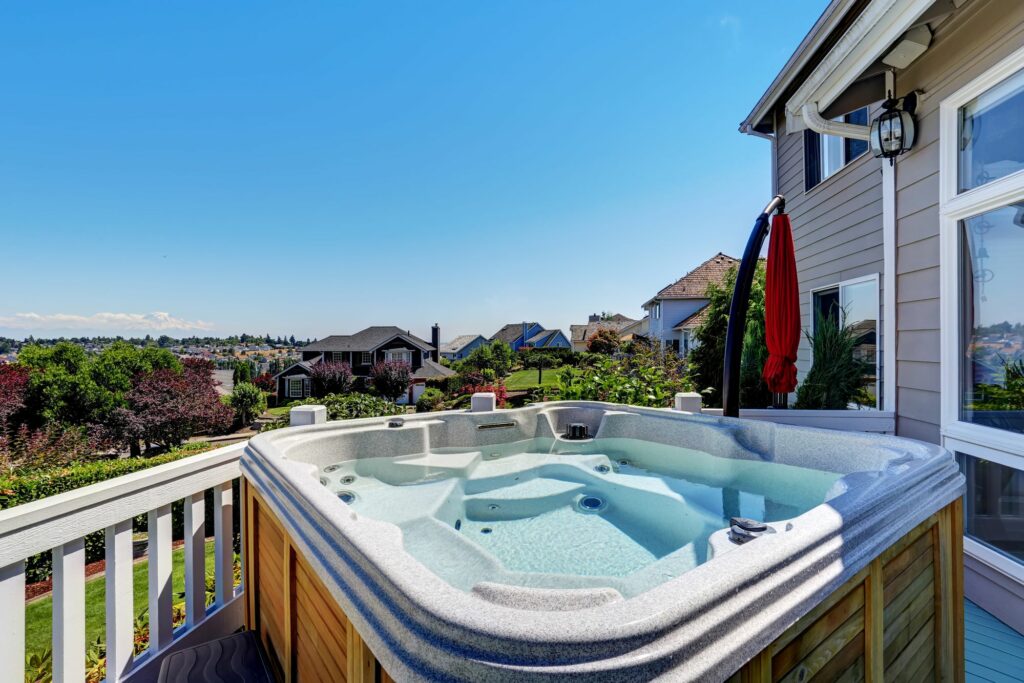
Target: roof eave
column 823, row 27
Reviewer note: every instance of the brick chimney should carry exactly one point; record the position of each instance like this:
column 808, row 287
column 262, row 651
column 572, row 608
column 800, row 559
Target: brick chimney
column 435, row 341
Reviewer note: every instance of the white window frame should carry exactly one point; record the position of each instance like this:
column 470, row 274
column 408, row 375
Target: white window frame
column 873, row 277
column 336, row 356
column 989, row 443
column 366, row 358
column 302, row 387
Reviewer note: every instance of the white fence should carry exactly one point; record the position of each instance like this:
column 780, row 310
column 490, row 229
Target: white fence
column 59, row 525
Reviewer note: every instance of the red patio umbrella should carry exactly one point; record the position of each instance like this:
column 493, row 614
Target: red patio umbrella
column 781, row 308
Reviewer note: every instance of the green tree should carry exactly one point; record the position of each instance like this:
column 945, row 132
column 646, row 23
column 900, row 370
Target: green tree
column 242, row 372
column 496, row 356
column 605, row 341
column 63, row 389
column 706, row 360
column 248, row 401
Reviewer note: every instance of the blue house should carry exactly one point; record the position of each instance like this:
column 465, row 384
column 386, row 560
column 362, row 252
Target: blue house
column 531, row 335
column 462, row 346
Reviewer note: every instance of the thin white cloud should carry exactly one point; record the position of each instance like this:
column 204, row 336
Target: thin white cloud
column 108, row 322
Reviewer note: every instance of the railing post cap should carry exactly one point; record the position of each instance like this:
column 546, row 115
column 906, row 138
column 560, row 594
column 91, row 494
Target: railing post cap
column 307, row 415
column 482, row 402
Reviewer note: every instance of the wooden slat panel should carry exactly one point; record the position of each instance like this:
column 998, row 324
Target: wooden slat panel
column 827, row 652
column 812, row 636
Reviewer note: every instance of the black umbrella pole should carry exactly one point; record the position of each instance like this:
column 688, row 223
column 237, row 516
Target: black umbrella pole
column 738, row 309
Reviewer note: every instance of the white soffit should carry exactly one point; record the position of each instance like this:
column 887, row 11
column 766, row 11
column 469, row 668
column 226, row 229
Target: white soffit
column 880, row 24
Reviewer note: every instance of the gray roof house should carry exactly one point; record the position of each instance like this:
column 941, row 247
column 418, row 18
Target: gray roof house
column 361, row 351
column 461, row 346
column 921, row 254
column 673, row 311
column 580, row 335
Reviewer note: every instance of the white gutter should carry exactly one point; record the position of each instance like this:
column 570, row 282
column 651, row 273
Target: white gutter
column 880, row 24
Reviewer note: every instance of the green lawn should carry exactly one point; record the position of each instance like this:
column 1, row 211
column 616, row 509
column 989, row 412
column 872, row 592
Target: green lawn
column 527, row 379
column 279, row 411
column 38, row 634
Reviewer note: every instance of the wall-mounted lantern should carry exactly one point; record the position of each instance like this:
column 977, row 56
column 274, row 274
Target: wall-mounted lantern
column 892, row 132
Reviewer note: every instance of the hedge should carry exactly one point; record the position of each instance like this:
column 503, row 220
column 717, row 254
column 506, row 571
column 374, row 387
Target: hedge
column 17, row 489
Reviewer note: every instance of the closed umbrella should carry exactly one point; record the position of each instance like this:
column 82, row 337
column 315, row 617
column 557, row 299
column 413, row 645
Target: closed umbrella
column 781, row 309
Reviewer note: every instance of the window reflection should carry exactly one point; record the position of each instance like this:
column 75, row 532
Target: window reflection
column 992, row 316
column 994, row 505
column 992, row 134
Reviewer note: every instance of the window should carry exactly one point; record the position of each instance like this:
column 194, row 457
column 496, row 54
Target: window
column 994, row 505
column 399, row 355
column 854, row 304
column 366, row 358
column 826, row 154
column 336, row 356
column 989, row 134
column 296, row 387
column 991, row 248
column 981, row 219
column 656, row 311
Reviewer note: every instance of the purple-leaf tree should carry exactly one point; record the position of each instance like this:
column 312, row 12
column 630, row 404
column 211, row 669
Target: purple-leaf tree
column 13, row 382
column 391, row 378
column 169, row 407
column 329, row 377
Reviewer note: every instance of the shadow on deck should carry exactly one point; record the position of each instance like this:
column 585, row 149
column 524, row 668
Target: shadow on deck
column 994, row 651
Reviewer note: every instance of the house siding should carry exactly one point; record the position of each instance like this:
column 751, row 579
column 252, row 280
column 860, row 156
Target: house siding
column 973, row 40
column 837, row 229
column 673, row 311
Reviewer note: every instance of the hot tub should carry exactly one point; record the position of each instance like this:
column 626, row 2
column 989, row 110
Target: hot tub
column 654, row 544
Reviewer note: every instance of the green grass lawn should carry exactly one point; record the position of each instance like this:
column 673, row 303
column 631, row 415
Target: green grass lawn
column 38, row 633
column 527, row 379
column 279, row 411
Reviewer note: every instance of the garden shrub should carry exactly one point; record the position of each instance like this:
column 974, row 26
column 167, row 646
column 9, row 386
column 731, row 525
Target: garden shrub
column 836, row 378
column 648, row 378
column 352, row 406
column 330, row 377
column 248, row 401
column 430, row 400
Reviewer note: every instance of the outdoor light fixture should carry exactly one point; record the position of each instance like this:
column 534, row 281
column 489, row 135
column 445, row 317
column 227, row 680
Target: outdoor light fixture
column 892, row 133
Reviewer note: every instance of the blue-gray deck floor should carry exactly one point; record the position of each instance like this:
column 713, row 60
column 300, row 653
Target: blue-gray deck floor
column 994, row 651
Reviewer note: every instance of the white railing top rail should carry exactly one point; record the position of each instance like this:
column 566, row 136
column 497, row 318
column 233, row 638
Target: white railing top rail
column 41, row 525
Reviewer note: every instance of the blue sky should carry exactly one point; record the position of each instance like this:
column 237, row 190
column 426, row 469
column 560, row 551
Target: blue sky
column 313, row 168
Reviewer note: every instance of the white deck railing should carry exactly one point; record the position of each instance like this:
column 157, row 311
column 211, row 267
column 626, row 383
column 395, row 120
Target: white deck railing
column 60, row 523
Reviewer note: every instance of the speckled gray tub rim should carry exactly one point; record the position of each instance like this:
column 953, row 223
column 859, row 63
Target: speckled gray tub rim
column 713, row 615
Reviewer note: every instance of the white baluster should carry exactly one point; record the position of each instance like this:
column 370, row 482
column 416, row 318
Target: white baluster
column 224, row 548
column 161, row 597
column 119, row 600
column 69, row 612
column 12, row 626
column 195, row 560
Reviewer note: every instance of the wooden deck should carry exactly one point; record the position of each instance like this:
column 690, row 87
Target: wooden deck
column 995, row 652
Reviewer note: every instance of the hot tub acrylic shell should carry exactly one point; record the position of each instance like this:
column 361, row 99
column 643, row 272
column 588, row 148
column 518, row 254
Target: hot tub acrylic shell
column 869, row 556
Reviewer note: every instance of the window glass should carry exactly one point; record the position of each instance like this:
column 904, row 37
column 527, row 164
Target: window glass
column 994, row 505
column 860, row 313
column 826, row 305
column 854, row 148
column 831, row 155
column 855, row 306
column 991, row 131
column 992, row 316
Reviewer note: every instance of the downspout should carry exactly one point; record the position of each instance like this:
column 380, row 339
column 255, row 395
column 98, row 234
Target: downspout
column 816, row 122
